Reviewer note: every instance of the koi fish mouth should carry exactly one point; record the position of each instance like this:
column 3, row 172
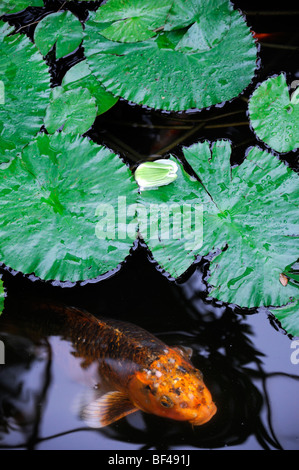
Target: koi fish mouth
column 205, row 415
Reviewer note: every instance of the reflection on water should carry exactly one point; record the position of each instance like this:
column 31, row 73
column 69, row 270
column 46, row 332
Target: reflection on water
column 24, row 382
column 245, row 361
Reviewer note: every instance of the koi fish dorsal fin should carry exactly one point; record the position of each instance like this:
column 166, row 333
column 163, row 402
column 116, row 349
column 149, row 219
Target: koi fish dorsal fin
column 84, row 314
column 184, row 351
column 107, row 409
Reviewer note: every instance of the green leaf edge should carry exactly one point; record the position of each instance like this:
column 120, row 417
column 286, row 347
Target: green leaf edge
column 282, row 147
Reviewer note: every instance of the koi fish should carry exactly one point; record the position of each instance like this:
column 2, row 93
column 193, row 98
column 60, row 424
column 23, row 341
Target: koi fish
column 138, row 371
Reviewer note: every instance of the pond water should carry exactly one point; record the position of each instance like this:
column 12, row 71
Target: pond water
column 246, row 358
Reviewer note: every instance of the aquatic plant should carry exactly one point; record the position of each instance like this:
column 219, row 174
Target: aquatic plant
column 62, row 29
column 80, row 76
column 7, row 7
column 175, row 66
column 274, row 115
column 160, row 172
column 51, row 193
column 25, row 81
column 57, row 187
column 72, row 111
column 288, row 315
column 236, row 204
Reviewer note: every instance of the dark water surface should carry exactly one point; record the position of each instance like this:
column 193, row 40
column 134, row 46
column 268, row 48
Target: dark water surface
column 244, row 355
column 245, row 359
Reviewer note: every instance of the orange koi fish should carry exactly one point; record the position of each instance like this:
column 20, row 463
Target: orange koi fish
column 137, row 370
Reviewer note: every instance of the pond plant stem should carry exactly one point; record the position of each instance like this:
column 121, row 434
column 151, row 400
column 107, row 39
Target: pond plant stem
column 181, row 139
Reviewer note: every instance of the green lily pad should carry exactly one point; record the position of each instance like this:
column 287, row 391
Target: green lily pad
column 7, row 7
column 250, row 213
column 80, row 76
column 155, row 73
column 25, row 90
column 274, row 115
column 61, row 28
column 56, row 201
column 292, row 272
column 162, row 212
column 133, row 20
column 288, row 316
column 204, row 31
column 72, row 111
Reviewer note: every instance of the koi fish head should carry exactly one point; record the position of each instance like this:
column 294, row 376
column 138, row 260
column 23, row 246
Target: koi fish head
column 173, row 388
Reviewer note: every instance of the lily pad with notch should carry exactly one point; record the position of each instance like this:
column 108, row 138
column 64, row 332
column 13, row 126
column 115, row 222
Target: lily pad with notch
column 62, row 29
column 250, row 214
column 207, row 23
column 133, row 20
column 51, row 199
column 80, row 76
column 153, row 72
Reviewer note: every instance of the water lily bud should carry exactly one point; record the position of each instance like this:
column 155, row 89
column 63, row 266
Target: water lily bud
column 150, row 175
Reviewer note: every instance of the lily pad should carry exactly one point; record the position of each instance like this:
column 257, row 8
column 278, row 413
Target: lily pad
column 80, row 76
column 288, row 316
column 274, row 115
column 154, row 73
column 163, row 215
column 133, row 20
column 61, row 28
column 292, row 272
column 51, row 200
column 25, row 93
column 207, row 29
column 250, row 214
column 72, row 111
column 7, row 7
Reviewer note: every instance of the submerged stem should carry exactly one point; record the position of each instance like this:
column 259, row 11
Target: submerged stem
column 271, row 13
column 124, row 147
column 280, row 46
column 180, row 139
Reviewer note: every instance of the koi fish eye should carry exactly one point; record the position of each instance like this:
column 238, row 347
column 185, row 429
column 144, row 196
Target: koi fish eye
column 166, row 402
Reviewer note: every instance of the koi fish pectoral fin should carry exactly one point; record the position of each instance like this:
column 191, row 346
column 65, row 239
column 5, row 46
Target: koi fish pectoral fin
column 107, row 409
